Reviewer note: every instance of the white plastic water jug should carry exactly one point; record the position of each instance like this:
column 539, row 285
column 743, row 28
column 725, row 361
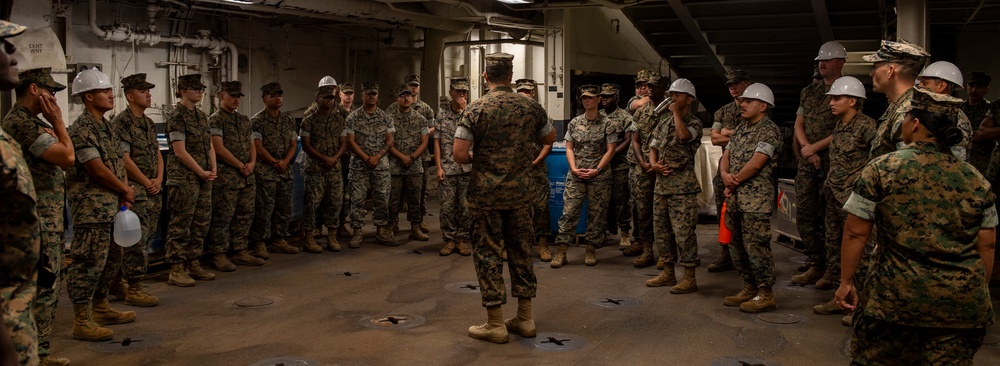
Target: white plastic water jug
column 127, row 228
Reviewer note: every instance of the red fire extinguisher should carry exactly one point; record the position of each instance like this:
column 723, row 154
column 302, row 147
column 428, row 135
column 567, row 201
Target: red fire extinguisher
column 725, row 236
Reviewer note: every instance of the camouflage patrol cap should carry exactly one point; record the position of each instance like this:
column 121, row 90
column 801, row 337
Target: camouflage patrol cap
column 369, row 87
column 589, row 90
column 460, row 83
column 347, row 88
column 609, row 89
column 500, row 59
column 327, row 91
column 42, row 77
column 979, row 78
column 412, row 80
column 655, row 79
column 525, row 84
column 272, row 88
column 402, row 89
column 233, row 88
column 8, row 29
column 642, row 76
column 901, row 52
column 137, row 82
column 736, row 76
column 191, row 81
column 934, row 102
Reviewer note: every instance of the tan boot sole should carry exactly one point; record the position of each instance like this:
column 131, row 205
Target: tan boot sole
column 84, row 337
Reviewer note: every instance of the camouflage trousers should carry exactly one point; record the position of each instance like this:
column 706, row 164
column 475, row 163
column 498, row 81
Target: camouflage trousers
column 642, row 205
column 190, row 205
column 325, row 192
column 95, row 260
column 833, row 220
column 878, row 342
column 751, row 247
column 809, row 204
column 272, row 210
column 719, row 192
column 597, row 192
column 496, row 231
column 345, row 205
column 378, row 182
column 232, row 213
column 408, row 188
column 134, row 258
column 18, row 318
column 620, row 206
column 540, row 205
column 675, row 218
column 50, row 274
column 455, row 222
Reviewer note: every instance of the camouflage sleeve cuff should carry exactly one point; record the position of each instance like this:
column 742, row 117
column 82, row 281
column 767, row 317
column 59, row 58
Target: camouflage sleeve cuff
column 717, row 126
column 568, row 136
column 42, row 143
column 989, row 218
column 630, row 128
column 765, row 148
column 304, row 133
column 391, row 130
column 347, row 131
column 126, row 147
column 437, row 134
column 800, row 112
column 959, row 153
column 463, row 133
column 425, row 131
column 545, row 131
column 653, row 143
column 293, row 136
column 694, row 132
column 176, row 136
column 215, row 131
column 611, row 139
column 255, row 136
column 864, row 208
column 87, row 154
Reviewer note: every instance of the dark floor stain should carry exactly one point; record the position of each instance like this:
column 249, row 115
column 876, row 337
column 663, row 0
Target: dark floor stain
column 760, row 341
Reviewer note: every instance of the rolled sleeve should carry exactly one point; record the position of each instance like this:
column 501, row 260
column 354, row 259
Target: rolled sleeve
column 800, row 112
column 391, row 129
column 765, row 148
column 176, row 136
column 989, row 218
column 546, row 130
column 959, row 153
column 463, row 133
column 865, row 208
column 611, row 139
column 87, row 154
column 348, row 131
column 42, row 143
column 256, row 136
column 216, row 132
column 126, row 147
column 425, row 131
column 437, row 134
column 693, row 131
column 717, row 126
column 304, row 133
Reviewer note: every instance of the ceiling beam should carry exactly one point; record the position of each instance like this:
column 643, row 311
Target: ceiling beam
column 822, row 20
column 700, row 38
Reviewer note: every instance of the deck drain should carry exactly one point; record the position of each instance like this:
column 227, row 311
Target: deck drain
column 253, row 301
column 286, row 361
column 555, row 341
column 344, row 274
column 465, row 287
column 648, row 272
column 614, row 302
column 742, row 361
column 782, row 319
column 394, row 321
column 131, row 343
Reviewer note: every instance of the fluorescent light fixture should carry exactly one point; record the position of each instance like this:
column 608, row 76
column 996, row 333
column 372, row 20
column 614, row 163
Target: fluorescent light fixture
column 517, row 1
column 241, row 2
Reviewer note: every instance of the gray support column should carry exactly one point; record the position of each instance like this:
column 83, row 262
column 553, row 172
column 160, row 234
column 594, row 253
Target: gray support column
column 911, row 22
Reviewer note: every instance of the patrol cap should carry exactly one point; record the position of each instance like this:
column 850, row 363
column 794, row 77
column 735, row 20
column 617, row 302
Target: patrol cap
column 327, row 91
column 589, row 90
column 42, row 77
column 8, row 29
column 402, row 89
column 233, row 88
column 655, row 79
column 412, row 80
column 136, row 81
column 979, row 78
column 736, row 76
column 934, row 102
column 525, row 84
column 272, row 88
column 901, row 52
column 369, row 87
column 609, row 89
column 460, row 83
column 500, row 59
column 642, row 76
column 347, row 88
column 190, row 81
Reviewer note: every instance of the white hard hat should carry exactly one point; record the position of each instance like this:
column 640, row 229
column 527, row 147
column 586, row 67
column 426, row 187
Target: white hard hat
column 682, row 86
column 831, row 50
column 848, row 85
column 327, row 81
column 943, row 70
column 760, row 92
column 91, row 79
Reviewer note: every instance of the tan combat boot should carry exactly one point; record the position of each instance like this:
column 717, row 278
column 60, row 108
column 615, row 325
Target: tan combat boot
column 560, row 259
column 222, row 263
column 828, row 282
column 633, row 250
column 591, row 258
column 464, row 247
column 424, row 228
column 646, row 259
column 136, row 296
column 355, row 239
column 416, row 233
column 848, row 320
column 103, row 314
column 332, row 243
column 117, row 288
column 85, row 328
column 748, row 292
column 244, row 258
column 724, row 263
column 449, row 247
column 311, row 245
column 493, row 330
column 624, row 240
column 810, row 277
column 666, row 278
column 543, row 250
column 662, row 262
column 260, row 251
column 522, row 324
column 179, row 276
column 687, row 284
column 197, row 272
column 830, row 308
column 51, row 360
column 385, row 236
column 763, row 302
column 281, row 245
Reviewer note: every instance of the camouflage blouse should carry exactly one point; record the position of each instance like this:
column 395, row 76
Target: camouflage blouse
column 89, row 201
column 237, row 136
column 139, row 137
column 276, row 134
column 619, row 120
column 848, row 154
column 192, row 127
column 756, row 194
column 410, row 127
column 444, row 133
column 324, row 132
column 49, row 179
column 979, row 155
column 369, row 130
column 590, row 140
column 678, row 155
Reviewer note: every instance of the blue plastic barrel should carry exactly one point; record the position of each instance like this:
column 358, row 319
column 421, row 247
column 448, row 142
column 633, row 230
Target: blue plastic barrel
column 558, row 168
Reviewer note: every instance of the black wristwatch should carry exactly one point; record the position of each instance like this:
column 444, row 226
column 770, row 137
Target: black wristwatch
column 599, row 170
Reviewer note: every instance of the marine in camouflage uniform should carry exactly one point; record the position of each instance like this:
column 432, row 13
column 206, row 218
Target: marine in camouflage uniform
column 235, row 188
column 725, row 121
column 619, row 208
column 370, row 135
column 979, row 155
column 504, row 127
column 346, row 106
column 453, row 188
column 274, row 135
column 323, row 133
column 541, row 186
column 426, row 111
column 643, row 181
column 641, row 89
column 32, row 133
column 191, row 169
column 927, row 296
column 407, row 180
